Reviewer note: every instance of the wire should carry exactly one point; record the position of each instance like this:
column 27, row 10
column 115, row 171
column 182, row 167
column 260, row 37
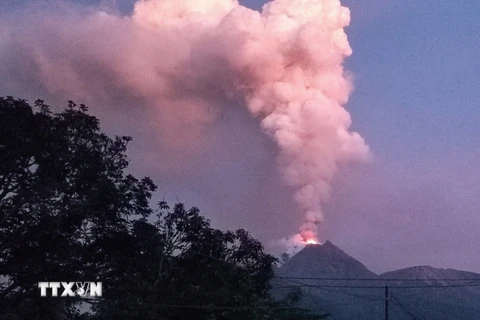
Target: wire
column 182, row 306
column 326, row 307
column 322, row 288
column 359, row 279
column 376, row 279
column 403, row 307
column 338, row 279
column 422, row 297
column 364, row 279
column 381, row 287
column 438, row 286
column 352, row 279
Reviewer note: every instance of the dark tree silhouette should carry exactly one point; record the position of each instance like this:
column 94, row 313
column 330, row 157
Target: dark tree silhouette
column 68, row 212
column 62, row 187
column 188, row 270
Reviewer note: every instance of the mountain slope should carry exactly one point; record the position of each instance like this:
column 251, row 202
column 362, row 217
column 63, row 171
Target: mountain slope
column 440, row 294
column 428, row 272
column 445, row 294
column 325, row 260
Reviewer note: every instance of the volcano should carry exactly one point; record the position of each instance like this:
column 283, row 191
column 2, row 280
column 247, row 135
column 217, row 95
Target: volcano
column 325, row 261
column 333, row 282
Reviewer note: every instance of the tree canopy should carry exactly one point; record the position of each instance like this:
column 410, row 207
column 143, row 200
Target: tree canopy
column 69, row 212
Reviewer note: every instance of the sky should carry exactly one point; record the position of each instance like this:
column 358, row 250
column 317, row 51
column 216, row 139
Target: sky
column 415, row 102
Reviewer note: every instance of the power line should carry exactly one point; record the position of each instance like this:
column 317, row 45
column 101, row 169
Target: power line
column 208, row 307
column 377, row 279
column 363, row 279
column 403, row 307
column 325, row 289
column 325, row 306
column 381, row 287
column 181, row 306
column 421, row 296
column 439, row 286
column 337, row 278
column 291, row 279
column 327, row 286
column 352, row 279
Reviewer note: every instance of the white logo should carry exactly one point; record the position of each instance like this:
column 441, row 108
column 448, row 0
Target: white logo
column 71, row 289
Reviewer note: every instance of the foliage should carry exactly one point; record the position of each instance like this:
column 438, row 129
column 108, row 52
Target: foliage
column 68, row 212
column 62, row 188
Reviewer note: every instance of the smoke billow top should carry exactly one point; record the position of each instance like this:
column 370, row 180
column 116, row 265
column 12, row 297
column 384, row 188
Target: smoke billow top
column 187, row 57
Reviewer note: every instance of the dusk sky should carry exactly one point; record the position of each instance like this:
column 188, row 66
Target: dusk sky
column 416, row 102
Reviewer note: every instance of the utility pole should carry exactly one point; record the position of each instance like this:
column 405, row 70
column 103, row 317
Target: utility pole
column 386, row 302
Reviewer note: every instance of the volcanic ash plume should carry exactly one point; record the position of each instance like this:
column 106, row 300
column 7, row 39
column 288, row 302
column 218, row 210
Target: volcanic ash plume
column 187, row 57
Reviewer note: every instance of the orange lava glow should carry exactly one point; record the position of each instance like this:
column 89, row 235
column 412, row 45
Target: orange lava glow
column 311, row 241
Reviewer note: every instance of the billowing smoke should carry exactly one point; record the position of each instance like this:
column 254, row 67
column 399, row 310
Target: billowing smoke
column 190, row 59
